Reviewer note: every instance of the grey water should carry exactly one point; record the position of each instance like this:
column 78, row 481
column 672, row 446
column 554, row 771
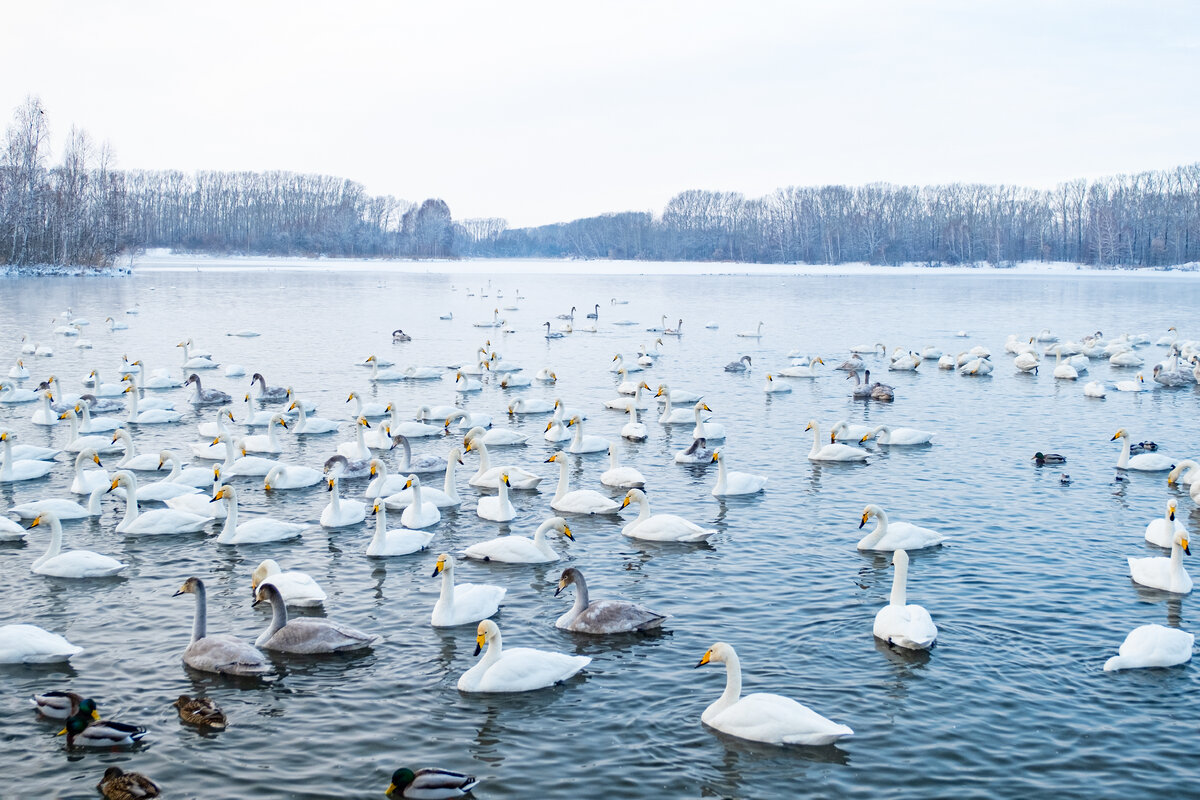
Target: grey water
column 1031, row 591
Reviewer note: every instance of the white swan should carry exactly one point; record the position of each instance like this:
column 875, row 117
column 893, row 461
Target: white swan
column 86, row 480
column 422, row 514
column 735, row 483
column 12, row 470
column 306, row 635
column 203, row 504
column 582, row 443
column 1138, row 384
column 897, row 437
column 488, row 477
column 1094, row 389
column 760, row 717
column 77, row 441
column 383, row 376
column 833, row 451
column 619, row 476
column 464, row 603
column 223, row 654
column 341, row 512
column 846, row 431
column 158, row 521
column 358, row 449
column 309, row 426
column 239, row 462
column 1063, row 370
column 59, row 507
column 660, row 527
column 73, row 563
column 754, row 334
column 1152, row 646
column 265, row 442
column 530, row 405
column 496, row 437
column 1161, row 531
column 44, row 415
column 633, row 430
column 367, row 409
column 601, row 617
column 13, row 394
column 807, row 371
column 132, row 459
column 29, row 644
column 446, row 497
column 1143, row 462
column 620, row 364
column 258, row 530
column 396, row 542
column 1165, row 573
column 298, row 588
column 1186, row 472
column 518, row 669
column 254, row 417
column 291, row 476
column 515, row 549
column 580, row 501
column 775, row 387
column 705, row 430
column 499, row 508
column 899, row 623
column 895, row 535
column 90, row 424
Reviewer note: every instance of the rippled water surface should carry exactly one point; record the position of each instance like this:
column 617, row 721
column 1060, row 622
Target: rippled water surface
column 1031, row 592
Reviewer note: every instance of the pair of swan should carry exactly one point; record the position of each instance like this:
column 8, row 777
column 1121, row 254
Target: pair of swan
column 395, row 542
column 731, row 483
column 602, row 617
column 516, row 549
column 1143, row 462
column 306, row 635
column 1161, row 531
column 580, row 501
column 762, row 717
column 660, row 527
column 832, row 451
column 12, row 470
column 464, row 603
column 897, row 437
column 808, row 370
column 73, row 563
column 518, row 669
column 297, row 588
column 488, row 477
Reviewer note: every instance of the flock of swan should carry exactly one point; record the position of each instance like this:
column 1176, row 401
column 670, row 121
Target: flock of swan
column 227, row 445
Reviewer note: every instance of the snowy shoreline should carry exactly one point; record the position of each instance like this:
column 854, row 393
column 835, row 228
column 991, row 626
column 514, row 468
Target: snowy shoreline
column 158, row 261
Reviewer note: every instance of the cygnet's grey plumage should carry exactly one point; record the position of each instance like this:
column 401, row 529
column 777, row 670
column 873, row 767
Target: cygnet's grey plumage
column 602, row 616
column 307, row 635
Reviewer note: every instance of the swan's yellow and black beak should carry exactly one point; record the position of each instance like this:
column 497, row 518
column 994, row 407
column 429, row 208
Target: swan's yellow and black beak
column 96, row 458
column 808, row 427
column 438, row 567
column 505, row 479
column 330, row 482
column 372, row 470
column 471, row 444
column 625, row 502
column 36, row 522
column 220, row 494
column 408, row 484
column 1185, row 546
column 704, row 659
column 832, row 437
column 551, row 458
column 480, row 640
column 567, row 532
column 1115, row 436
column 375, row 509
column 716, row 456
column 562, row 584
column 114, row 484
column 866, row 515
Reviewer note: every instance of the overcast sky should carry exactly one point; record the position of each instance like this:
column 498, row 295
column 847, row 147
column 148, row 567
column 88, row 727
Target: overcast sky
column 547, row 111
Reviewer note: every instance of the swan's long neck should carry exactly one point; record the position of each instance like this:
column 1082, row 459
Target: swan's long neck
column 612, row 458
column 380, row 525
column 133, row 406
column 900, row 579
column 407, row 465
column 302, row 419
column 231, row 515
column 6, row 466
column 416, row 489
column 446, row 598
column 816, row 448
column 733, row 682
column 335, row 502
column 1176, row 573
column 55, row 546
column 667, row 407
column 643, row 509
column 272, row 436
column 577, row 442
column 1123, row 461
column 581, row 595
column 503, row 494
column 46, row 410
column 177, row 469
column 539, row 536
column 632, row 407
column 200, row 621
column 278, row 617
column 449, row 485
column 93, row 506
column 131, row 504
column 722, row 475
column 484, row 463
column 494, row 650
column 79, row 459
column 395, row 421
column 881, row 527
column 562, row 480
column 362, row 442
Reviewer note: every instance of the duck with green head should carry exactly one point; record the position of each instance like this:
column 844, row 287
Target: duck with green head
column 431, row 784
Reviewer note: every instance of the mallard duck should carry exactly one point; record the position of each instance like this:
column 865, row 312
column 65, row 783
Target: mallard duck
column 431, row 784
column 1042, row 459
column 60, row 705
column 86, row 729
column 120, row 785
column 200, row 711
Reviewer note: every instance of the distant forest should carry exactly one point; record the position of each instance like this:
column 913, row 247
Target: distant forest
column 83, row 211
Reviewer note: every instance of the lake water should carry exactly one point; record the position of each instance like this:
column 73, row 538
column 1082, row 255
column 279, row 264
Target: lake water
column 1031, row 592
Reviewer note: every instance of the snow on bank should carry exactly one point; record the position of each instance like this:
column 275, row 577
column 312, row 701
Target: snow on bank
column 59, row 271
column 162, row 261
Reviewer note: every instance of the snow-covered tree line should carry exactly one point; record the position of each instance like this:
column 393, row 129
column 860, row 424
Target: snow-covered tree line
column 83, row 211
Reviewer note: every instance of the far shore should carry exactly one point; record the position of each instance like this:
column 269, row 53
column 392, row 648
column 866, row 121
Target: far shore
column 160, row 261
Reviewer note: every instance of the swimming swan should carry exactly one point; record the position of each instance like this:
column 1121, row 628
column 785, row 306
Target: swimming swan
column 306, row 635
column 158, row 521
column 600, row 617
column 895, row 535
column 515, row 549
column 518, row 669
column 735, row 483
column 223, row 654
column 1161, row 531
column 580, row 501
column 1143, row 462
column 899, row 623
column 1152, row 646
column 73, row 563
column 1167, row 574
column 396, row 542
column 832, row 451
column 660, row 527
column 464, row 603
column 760, row 717
column 258, row 530
column 298, row 588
